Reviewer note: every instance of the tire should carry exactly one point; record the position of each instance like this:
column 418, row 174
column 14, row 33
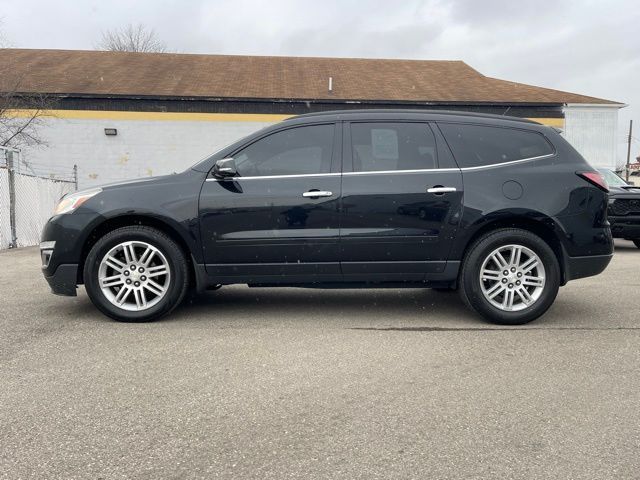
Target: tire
column 147, row 298
column 536, row 288
column 636, row 242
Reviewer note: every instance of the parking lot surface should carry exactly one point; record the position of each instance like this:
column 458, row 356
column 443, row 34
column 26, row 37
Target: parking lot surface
column 296, row 383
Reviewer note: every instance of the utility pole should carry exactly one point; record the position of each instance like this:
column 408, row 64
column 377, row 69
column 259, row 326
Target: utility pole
column 629, row 148
column 12, row 196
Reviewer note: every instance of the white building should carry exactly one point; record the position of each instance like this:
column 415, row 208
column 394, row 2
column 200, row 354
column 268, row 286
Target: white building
column 125, row 115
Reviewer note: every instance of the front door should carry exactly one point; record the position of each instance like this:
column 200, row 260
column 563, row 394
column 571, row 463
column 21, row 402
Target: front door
column 400, row 211
column 277, row 221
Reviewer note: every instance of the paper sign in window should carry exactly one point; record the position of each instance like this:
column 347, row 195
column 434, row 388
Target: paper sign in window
column 384, row 143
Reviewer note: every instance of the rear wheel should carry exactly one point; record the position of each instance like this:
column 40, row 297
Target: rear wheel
column 136, row 274
column 510, row 276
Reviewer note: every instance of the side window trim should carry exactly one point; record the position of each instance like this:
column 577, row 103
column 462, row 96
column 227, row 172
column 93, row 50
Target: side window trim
column 446, row 159
column 336, row 152
column 347, row 150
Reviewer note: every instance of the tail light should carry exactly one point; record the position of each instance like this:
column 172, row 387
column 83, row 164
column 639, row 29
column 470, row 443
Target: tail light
column 596, row 179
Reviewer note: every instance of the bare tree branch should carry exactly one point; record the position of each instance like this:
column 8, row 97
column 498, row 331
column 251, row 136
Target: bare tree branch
column 22, row 114
column 131, row 38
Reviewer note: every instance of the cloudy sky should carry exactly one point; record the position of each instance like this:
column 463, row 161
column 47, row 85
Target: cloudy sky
column 588, row 47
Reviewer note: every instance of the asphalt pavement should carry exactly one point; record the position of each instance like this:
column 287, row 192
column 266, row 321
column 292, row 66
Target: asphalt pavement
column 296, row 383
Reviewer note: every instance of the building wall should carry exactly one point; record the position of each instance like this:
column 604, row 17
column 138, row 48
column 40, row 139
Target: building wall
column 147, row 143
column 592, row 130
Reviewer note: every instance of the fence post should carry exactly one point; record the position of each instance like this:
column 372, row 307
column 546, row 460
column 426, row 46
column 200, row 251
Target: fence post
column 12, row 198
column 75, row 176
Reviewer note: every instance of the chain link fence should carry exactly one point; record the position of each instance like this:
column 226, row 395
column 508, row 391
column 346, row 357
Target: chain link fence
column 28, row 195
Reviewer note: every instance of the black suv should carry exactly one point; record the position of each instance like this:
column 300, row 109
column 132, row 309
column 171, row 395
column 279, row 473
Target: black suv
column 501, row 208
column 624, row 207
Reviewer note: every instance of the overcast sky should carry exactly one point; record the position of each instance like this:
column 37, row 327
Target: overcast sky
column 588, row 47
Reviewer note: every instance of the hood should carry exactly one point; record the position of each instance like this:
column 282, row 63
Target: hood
column 627, row 191
column 134, row 181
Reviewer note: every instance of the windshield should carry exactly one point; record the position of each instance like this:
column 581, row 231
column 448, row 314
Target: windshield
column 612, row 178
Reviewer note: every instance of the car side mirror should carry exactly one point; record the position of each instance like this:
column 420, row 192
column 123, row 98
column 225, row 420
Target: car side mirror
column 225, row 168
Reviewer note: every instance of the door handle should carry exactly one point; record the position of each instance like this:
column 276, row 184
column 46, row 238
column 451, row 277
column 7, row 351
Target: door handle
column 317, row 193
column 439, row 190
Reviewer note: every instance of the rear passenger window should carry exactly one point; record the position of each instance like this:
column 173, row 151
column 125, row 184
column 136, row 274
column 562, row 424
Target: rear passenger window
column 392, row 146
column 478, row 145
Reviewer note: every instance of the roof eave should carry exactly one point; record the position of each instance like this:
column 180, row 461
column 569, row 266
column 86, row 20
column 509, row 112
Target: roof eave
column 500, row 103
column 596, row 105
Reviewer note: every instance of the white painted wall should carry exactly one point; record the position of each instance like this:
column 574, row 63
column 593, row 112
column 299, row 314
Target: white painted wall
column 592, row 130
column 142, row 147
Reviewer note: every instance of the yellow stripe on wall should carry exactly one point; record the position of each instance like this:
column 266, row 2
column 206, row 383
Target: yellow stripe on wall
column 162, row 116
column 194, row 117
column 550, row 122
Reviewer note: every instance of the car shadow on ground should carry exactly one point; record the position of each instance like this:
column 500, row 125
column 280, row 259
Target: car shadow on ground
column 384, row 309
column 397, row 309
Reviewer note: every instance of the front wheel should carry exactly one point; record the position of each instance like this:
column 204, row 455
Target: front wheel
column 510, row 276
column 136, row 274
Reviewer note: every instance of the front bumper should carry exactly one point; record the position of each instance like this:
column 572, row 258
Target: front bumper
column 627, row 227
column 63, row 280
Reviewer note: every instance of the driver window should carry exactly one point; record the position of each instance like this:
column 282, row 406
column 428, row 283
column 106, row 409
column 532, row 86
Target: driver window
column 295, row 151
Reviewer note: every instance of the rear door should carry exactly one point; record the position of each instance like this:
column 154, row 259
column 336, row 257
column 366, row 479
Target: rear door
column 278, row 220
column 400, row 209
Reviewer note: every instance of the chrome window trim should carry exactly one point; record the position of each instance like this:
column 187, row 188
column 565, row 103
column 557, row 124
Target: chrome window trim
column 377, row 172
column 512, row 162
column 335, row 174
column 386, row 172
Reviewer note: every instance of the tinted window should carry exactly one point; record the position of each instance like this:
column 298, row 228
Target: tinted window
column 392, row 146
column 476, row 145
column 296, row 151
column 612, row 178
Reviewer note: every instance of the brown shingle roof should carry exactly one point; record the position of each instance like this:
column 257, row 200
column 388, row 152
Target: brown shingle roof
column 227, row 76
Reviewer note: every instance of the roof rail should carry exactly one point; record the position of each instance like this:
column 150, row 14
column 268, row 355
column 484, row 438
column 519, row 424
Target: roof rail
column 459, row 113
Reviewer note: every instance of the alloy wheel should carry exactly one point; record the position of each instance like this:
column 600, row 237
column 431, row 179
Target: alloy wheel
column 512, row 278
column 134, row 275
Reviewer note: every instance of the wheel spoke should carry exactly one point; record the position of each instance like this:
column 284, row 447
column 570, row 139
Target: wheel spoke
column 493, row 275
column 114, row 263
column 156, row 271
column 154, row 288
column 122, row 295
column 141, row 298
column 129, row 252
column 533, row 281
column 495, row 290
column 499, row 260
column 524, row 295
column 529, row 264
column 112, row 281
column 507, row 301
column 516, row 254
column 147, row 256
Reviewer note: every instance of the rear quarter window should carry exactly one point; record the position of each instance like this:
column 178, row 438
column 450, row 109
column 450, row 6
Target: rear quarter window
column 480, row 145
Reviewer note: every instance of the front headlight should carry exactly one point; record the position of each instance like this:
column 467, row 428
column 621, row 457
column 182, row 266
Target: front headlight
column 70, row 202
